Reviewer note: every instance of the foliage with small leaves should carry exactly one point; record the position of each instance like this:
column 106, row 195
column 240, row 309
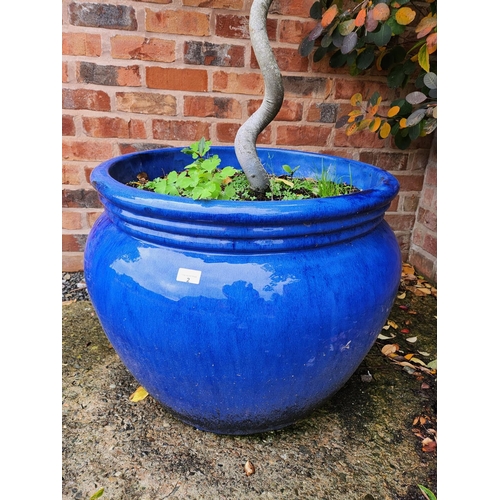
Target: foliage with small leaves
column 396, row 37
column 203, row 179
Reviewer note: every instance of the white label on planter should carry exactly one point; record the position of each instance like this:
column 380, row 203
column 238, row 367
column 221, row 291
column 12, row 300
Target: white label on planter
column 189, row 276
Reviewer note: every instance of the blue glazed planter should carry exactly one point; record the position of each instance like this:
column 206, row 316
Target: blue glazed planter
column 242, row 317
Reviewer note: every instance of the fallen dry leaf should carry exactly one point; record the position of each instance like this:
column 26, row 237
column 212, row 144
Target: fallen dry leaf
column 412, row 340
column 249, row 468
column 389, row 349
column 408, row 269
column 68, row 302
column 385, row 337
column 138, row 395
column 402, row 296
column 429, row 445
column 393, row 324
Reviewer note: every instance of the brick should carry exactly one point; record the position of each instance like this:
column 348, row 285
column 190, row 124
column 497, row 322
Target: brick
column 215, row 4
column 400, row 222
column 178, row 22
column 81, row 44
column 146, row 103
column 411, row 182
column 180, row 130
column 91, row 217
column 98, row 15
column 226, row 132
column 64, row 72
column 294, row 30
column 290, row 110
column 305, row 135
column 214, row 107
column 363, row 139
column 71, row 174
column 232, row 26
column 424, row 263
column 71, row 220
column 87, row 150
column 73, row 242
column 128, row 76
column 427, row 218
column 418, row 159
column 404, row 245
column 68, row 125
column 142, row 48
column 188, row 80
column 80, row 198
column 72, row 262
column 290, row 8
column 287, row 59
column 346, row 88
column 238, row 83
column 323, row 112
column 212, row 54
column 307, row 87
column 410, row 203
column 113, row 127
column 387, row 160
column 96, row 100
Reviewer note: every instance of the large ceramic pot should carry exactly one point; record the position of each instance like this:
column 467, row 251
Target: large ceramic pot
column 242, row 317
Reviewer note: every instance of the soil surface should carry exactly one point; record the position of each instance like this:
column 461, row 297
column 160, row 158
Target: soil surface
column 374, row 440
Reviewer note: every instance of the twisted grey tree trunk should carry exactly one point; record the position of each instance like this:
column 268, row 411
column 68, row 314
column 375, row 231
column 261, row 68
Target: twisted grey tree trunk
column 246, row 138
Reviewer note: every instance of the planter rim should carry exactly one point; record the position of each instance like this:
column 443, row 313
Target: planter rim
column 117, row 192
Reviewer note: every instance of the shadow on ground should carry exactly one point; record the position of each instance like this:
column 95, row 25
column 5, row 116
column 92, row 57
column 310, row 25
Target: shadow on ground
column 366, row 443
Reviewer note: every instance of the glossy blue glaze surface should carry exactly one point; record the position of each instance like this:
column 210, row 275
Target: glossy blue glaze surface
column 242, row 317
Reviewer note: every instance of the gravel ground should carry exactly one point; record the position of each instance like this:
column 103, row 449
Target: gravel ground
column 74, row 287
column 366, row 443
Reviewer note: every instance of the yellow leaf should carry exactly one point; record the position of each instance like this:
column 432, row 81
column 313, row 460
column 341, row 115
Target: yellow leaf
column 402, row 123
column 423, row 58
column 138, row 395
column 378, row 62
column 364, row 124
column 375, row 124
column 381, row 12
column 329, row 15
column 435, row 112
column 393, row 324
column 351, row 129
column 402, row 296
column 355, row 112
column 393, row 111
column 285, row 181
column 385, row 130
column 356, row 99
column 405, row 16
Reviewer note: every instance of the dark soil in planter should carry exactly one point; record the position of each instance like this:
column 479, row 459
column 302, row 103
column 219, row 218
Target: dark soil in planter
column 283, row 187
column 373, row 440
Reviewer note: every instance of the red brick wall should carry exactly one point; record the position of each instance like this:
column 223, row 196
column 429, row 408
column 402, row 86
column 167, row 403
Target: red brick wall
column 143, row 74
column 423, row 247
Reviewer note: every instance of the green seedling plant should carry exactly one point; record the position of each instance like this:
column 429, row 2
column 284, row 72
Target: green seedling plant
column 203, row 179
column 200, row 180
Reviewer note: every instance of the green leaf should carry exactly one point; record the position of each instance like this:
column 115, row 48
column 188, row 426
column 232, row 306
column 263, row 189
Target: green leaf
column 338, row 59
column 396, row 76
column 319, row 54
column 347, row 27
column 427, row 492
column 396, row 28
column 366, row 58
column 414, row 132
column 374, row 98
column 382, row 36
column 316, row 10
column 97, row 494
column 402, row 142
